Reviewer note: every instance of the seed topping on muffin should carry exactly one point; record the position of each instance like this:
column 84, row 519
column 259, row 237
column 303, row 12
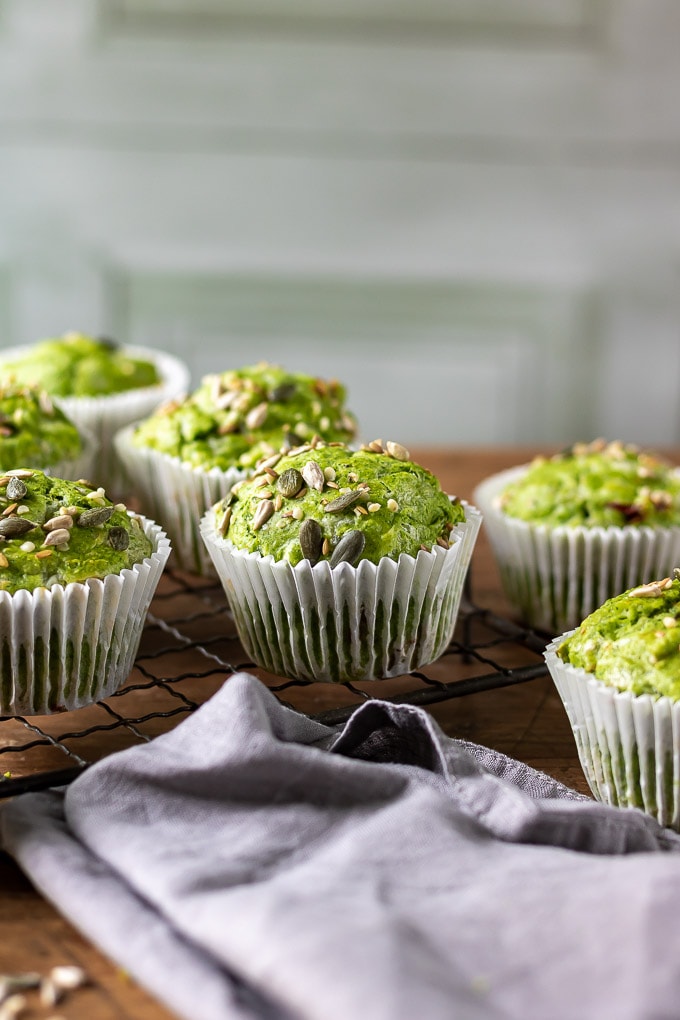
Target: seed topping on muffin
column 77, row 365
column 329, row 502
column 70, row 524
column 596, row 484
column 33, row 430
column 248, row 415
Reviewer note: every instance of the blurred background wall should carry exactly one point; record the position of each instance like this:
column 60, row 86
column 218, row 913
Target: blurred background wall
column 467, row 210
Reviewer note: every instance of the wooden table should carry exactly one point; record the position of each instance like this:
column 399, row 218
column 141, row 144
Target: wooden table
column 525, row 721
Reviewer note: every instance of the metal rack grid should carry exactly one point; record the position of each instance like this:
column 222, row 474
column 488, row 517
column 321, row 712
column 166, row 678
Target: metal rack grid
column 189, row 648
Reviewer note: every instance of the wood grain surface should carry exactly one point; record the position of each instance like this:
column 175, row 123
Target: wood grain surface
column 526, row 721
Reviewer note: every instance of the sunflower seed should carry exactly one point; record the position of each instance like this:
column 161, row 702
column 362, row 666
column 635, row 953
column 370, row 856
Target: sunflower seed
column 118, row 538
column 311, row 540
column 392, row 505
column 290, row 482
column 13, row 1006
column 653, row 589
column 373, row 508
column 343, row 502
column 313, row 475
column 16, row 489
column 57, row 536
column 256, row 418
column 62, row 521
column 264, row 511
column 349, row 548
column 269, row 461
column 94, row 517
column 397, row 451
column 225, row 400
column 12, row 527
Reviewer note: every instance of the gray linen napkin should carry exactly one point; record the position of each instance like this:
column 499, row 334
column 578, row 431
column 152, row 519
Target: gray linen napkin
column 254, row 864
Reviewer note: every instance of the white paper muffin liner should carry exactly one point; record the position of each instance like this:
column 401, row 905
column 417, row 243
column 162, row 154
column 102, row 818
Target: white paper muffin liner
column 555, row 577
column 104, row 416
column 69, row 645
column 176, row 494
column 347, row 623
column 628, row 745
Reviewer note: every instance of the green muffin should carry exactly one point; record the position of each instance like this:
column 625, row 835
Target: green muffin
column 632, row 642
column 596, row 485
column 77, row 365
column 618, row 675
column 33, row 430
column 327, row 502
column 54, row 531
column 236, row 417
column 573, row 530
column 341, row 565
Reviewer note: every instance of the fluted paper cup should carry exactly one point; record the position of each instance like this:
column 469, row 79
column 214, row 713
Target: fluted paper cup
column 177, row 494
column 346, row 623
column 69, row 645
column 556, row 576
column 628, row 745
column 104, row 416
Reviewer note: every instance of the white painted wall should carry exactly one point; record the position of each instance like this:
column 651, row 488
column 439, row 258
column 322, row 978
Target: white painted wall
column 469, row 210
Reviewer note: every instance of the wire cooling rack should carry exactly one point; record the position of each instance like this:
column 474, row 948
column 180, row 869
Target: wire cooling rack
column 190, row 647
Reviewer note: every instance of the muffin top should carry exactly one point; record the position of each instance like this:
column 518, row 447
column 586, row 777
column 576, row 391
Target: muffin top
column 324, row 501
column 54, row 531
column 76, row 365
column 596, row 485
column 237, row 417
column 34, row 431
column 632, row 642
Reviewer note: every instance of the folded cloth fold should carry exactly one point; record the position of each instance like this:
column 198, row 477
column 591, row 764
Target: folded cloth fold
column 252, row 863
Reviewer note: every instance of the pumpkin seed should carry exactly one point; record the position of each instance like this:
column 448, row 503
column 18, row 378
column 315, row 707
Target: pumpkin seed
column 283, row 392
column 290, row 482
column 349, row 548
column 313, row 475
column 262, row 514
column 12, row 527
column 118, row 538
column 311, row 540
column 16, row 489
column 343, row 502
column 94, row 517
column 224, row 524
